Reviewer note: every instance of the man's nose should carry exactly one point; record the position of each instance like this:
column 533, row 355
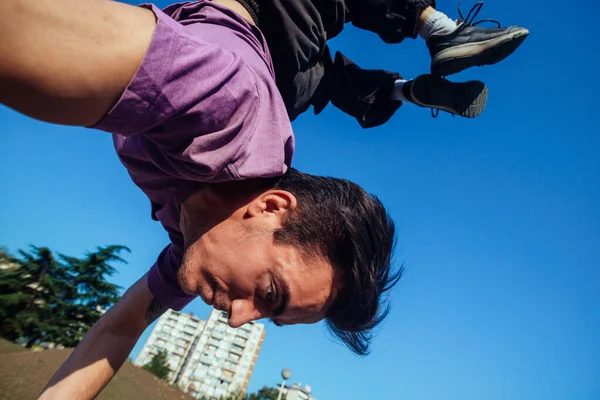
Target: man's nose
column 242, row 312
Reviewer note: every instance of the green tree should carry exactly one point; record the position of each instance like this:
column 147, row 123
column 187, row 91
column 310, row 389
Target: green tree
column 266, row 393
column 93, row 294
column 159, row 365
column 44, row 300
column 31, row 290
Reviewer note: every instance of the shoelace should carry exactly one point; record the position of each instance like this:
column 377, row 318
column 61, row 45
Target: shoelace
column 463, row 23
column 468, row 21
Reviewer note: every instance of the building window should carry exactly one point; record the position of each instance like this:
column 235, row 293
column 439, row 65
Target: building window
column 228, row 373
column 241, row 339
column 237, row 347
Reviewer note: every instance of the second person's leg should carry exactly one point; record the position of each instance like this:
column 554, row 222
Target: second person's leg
column 373, row 96
column 453, row 46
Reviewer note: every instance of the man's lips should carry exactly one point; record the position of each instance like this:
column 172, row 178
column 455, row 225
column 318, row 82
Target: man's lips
column 208, row 296
column 207, row 288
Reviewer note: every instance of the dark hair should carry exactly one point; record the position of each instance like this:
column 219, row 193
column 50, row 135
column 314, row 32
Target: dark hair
column 337, row 219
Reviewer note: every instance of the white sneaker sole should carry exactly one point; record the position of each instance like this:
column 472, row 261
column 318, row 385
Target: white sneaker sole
column 491, row 51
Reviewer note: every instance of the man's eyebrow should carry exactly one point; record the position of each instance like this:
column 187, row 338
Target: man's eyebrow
column 284, row 288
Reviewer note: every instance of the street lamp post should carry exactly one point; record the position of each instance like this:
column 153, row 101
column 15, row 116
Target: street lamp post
column 285, row 374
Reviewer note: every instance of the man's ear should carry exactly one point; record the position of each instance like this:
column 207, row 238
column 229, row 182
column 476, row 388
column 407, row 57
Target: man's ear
column 272, row 204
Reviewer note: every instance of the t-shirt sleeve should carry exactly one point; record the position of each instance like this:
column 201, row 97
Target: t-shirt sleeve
column 162, row 280
column 203, row 112
column 142, row 105
column 186, row 86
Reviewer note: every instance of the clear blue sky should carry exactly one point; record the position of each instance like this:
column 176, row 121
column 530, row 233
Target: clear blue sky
column 499, row 221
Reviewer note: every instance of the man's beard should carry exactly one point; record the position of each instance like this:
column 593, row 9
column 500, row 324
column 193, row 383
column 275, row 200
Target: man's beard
column 186, row 272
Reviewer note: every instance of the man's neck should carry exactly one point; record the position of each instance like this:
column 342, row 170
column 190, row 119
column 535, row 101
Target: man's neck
column 212, row 204
column 199, row 212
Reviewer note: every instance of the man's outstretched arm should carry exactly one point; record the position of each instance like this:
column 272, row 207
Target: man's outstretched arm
column 105, row 347
column 68, row 61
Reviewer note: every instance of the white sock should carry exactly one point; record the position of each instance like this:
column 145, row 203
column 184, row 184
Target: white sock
column 398, row 93
column 438, row 23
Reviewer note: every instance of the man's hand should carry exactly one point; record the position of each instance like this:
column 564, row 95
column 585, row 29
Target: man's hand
column 105, row 347
column 68, row 61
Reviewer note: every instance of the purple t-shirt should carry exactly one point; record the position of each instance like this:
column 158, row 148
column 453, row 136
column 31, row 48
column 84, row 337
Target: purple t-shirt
column 203, row 107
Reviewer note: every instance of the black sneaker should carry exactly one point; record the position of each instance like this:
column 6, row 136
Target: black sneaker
column 470, row 46
column 466, row 99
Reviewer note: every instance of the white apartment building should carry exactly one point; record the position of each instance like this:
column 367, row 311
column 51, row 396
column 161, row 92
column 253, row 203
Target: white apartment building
column 224, row 358
column 174, row 332
column 214, row 360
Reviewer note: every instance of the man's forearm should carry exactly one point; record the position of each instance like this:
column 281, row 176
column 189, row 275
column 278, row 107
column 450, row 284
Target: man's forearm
column 91, row 365
column 105, row 347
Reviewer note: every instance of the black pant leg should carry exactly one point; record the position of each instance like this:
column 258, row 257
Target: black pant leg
column 296, row 33
column 361, row 93
column 392, row 20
